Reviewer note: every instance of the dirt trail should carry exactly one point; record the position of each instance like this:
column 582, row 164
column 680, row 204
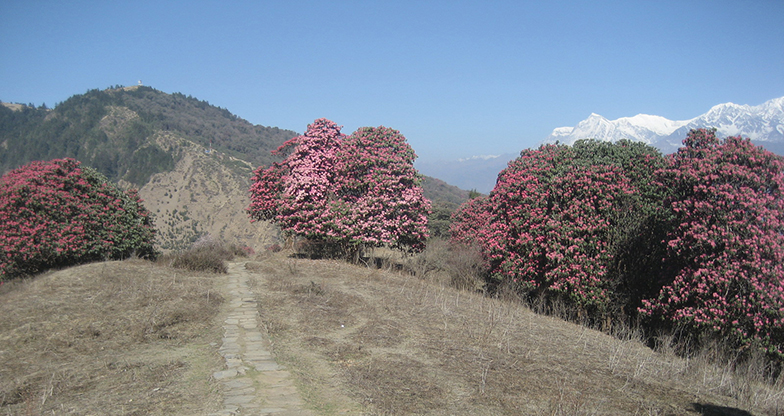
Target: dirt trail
column 253, row 383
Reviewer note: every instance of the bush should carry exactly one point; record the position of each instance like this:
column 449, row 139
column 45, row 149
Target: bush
column 349, row 193
column 200, row 259
column 725, row 252
column 209, row 255
column 56, row 214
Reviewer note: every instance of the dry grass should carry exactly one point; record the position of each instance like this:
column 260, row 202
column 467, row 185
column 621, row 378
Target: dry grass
column 205, row 255
column 138, row 338
column 396, row 344
column 119, row 338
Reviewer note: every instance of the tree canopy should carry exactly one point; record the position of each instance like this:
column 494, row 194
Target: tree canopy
column 351, row 192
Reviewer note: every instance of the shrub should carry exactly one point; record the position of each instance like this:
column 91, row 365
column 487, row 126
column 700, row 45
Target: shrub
column 56, row 213
column 725, row 252
column 207, row 254
column 200, row 259
column 561, row 220
column 344, row 193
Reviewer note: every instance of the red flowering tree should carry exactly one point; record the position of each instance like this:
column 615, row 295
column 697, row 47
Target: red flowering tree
column 56, row 213
column 549, row 224
column 726, row 249
column 347, row 192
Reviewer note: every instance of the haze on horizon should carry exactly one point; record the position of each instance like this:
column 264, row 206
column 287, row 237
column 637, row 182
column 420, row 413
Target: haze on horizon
column 458, row 79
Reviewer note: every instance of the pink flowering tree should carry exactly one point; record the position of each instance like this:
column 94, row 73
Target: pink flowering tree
column 346, row 192
column 56, row 213
column 379, row 198
column 548, row 225
column 296, row 192
column 726, row 249
column 469, row 220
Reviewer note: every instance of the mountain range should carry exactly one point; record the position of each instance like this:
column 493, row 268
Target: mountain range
column 763, row 124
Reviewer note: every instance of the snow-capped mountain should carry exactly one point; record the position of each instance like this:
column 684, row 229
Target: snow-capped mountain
column 763, row 124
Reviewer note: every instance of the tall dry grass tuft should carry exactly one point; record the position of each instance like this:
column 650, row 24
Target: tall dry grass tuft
column 455, row 265
column 206, row 254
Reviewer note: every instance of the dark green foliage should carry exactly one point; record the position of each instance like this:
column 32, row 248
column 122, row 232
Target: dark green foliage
column 440, row 218
column 636, row 243
column 147, row 161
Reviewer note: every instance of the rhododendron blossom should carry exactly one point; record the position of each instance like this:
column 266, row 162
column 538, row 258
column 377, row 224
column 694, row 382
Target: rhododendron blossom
column 354, row 191
column 727, row 248
column 57, row 213
column 546, row 223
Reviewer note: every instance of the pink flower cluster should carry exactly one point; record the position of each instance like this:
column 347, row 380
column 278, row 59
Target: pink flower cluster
column 546, row 224
column 728, row 241
column 554, row 224
column 355, row 190
column 57, row 213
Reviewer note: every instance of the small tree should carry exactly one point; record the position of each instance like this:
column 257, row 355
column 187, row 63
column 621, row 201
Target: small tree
column 726, row 250
column 296, row 192
column 379, row 198
column 55, row 214
column 347, row 192
column 470, row 220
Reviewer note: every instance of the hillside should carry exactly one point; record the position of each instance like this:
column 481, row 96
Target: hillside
column 134, row 337
column 190, row 160
column 113, row 130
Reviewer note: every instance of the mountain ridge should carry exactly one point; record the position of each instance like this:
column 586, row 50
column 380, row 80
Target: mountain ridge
column 763, row 123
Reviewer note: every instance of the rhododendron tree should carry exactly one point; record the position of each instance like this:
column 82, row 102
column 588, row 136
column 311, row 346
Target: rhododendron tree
column 469, row 220
column 561, row 219
column 296, row 192
column 57, row 213
column 726, row 251
column 548, row 225
column 379, row 198
column 348, row 192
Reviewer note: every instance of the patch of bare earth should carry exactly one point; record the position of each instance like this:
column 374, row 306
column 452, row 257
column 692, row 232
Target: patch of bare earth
column 114, row 338
column 365, row 341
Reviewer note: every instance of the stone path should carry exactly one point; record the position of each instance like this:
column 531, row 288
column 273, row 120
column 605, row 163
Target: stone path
column 253, row 383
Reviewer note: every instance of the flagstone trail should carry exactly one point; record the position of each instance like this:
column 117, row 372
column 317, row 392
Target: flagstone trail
column 253, row 383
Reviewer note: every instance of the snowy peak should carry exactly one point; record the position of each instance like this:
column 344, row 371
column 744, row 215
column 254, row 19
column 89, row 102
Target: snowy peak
column 763, row 123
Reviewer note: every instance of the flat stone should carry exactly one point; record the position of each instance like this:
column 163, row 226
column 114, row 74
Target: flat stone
column 219, row 375
column 238, row 400
column 238, row 383
column 268, row 366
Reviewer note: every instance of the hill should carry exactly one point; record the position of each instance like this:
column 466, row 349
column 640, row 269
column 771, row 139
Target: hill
column 114, row 130
column 190, row 160
column 134, row 337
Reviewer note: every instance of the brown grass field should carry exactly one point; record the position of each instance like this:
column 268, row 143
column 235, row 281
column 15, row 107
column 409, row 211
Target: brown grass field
column 114, row 338
column 138, row 338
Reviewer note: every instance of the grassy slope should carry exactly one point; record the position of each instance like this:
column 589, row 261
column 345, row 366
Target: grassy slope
column 400, row 345
column 127, row 337
column 139, row 338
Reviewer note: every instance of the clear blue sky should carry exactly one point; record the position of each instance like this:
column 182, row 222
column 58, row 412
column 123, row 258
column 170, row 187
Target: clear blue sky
column 457, row 78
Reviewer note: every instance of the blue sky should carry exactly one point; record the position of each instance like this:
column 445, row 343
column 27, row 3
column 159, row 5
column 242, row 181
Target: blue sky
column 457, row 78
